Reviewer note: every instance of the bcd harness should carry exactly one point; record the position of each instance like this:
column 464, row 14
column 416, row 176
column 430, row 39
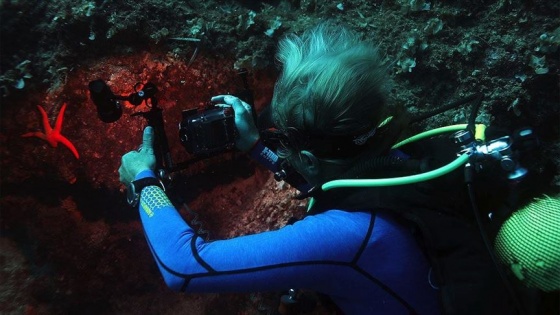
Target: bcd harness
column 439, row 210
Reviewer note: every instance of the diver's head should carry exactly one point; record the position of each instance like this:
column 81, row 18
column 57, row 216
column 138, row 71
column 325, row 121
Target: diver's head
column 331, row 96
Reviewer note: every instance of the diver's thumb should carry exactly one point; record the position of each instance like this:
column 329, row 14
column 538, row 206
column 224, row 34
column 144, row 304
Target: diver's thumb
column 148, row 140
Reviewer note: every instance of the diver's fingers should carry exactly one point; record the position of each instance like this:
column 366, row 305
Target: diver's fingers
column 238, row 105
column 218, row 98
column 245, row 105
column 148, row 140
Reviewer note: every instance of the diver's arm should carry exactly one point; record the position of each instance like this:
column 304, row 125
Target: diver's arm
column 302, row 255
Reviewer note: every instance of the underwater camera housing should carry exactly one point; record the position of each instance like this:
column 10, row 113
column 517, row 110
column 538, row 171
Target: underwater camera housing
column 209, row 131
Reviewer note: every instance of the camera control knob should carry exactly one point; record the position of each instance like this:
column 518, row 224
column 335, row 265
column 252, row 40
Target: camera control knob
column 507, row 163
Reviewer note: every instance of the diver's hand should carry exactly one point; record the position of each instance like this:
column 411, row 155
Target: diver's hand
column 143, row 159
column 248, row 133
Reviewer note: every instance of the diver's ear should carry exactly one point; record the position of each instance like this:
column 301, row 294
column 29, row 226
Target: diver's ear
column 310, row 163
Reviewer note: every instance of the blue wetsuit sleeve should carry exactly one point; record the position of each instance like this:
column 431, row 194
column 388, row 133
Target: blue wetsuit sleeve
column 274, row 260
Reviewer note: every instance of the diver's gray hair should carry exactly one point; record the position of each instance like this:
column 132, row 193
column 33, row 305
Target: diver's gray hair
column 332, row 83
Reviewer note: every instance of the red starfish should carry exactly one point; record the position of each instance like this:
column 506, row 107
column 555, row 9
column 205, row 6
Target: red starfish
column 53, row 136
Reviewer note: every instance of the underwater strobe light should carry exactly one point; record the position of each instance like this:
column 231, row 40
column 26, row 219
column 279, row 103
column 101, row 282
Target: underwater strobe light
column 108, row 108
column 529, row 243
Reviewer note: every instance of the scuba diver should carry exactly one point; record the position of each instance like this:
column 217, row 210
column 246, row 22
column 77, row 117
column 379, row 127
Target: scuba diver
column 400, row 249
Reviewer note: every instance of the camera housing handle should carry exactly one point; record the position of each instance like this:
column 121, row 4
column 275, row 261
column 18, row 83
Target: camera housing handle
column 154, row 118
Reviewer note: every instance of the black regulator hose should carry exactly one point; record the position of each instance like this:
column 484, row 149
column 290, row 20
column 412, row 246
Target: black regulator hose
column 478, row 97
column 474, row 112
